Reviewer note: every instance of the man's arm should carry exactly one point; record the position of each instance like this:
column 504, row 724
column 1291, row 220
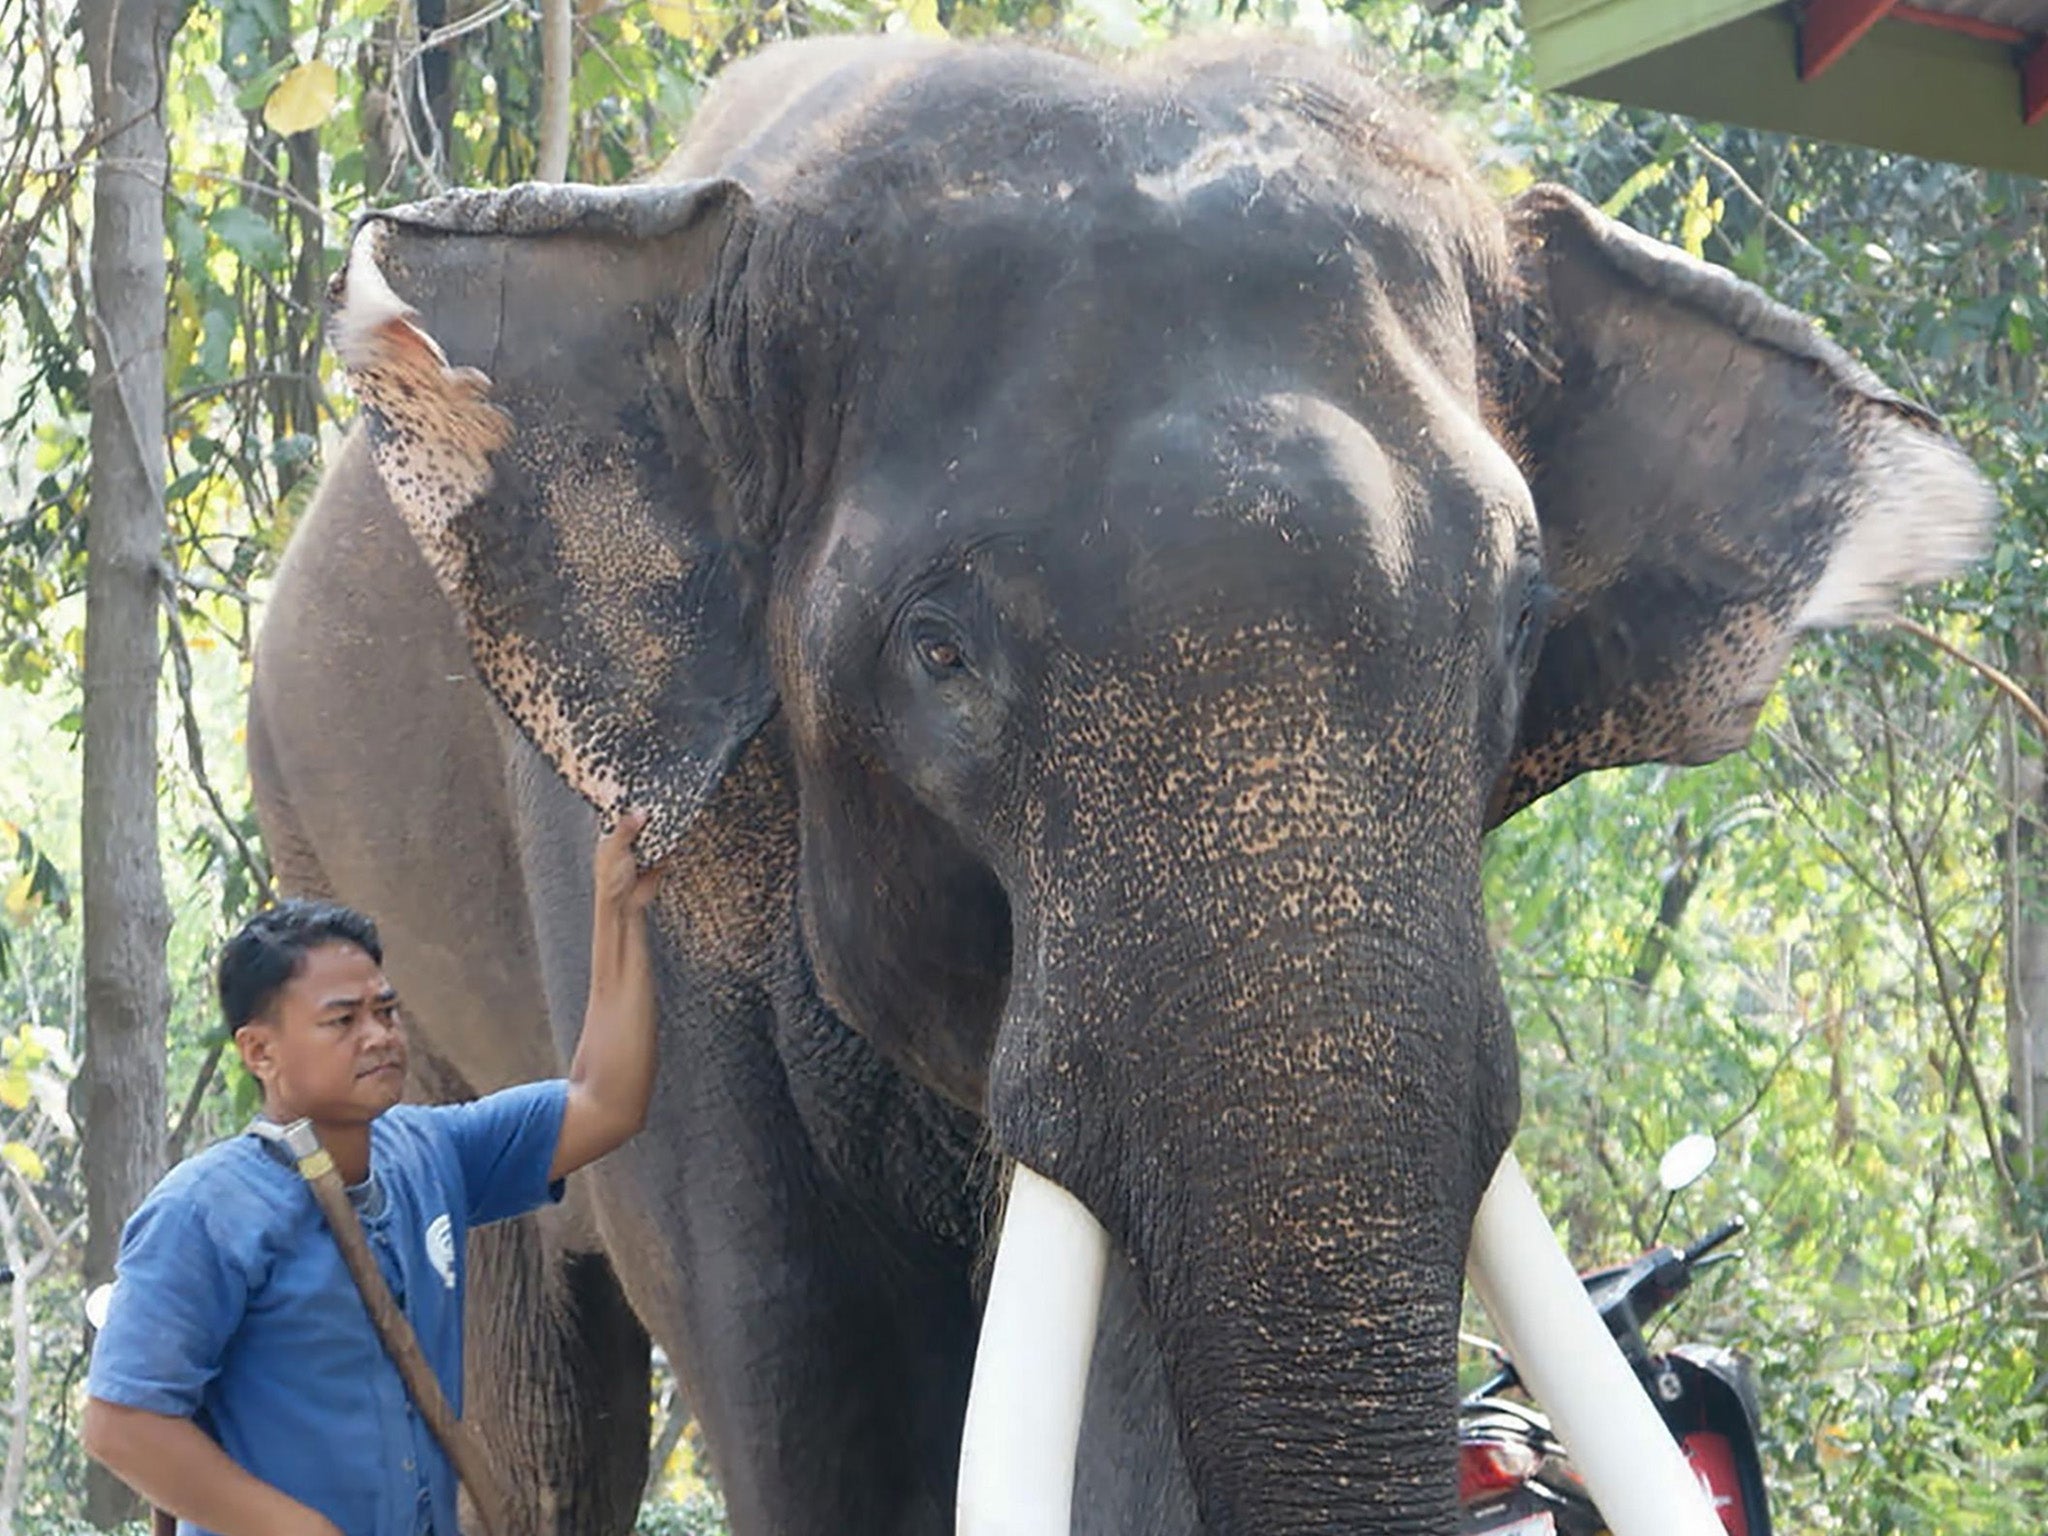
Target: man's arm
column 612, row 1077
column 175, row 1465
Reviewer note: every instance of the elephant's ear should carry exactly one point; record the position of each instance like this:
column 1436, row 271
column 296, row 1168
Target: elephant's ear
column 529, row 364
column 1712, row 475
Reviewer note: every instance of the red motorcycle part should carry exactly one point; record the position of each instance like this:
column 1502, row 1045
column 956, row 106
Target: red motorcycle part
column 1493, row 1466
column 1713, row 1463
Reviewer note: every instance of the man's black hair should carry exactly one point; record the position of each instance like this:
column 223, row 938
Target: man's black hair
column 271, row 948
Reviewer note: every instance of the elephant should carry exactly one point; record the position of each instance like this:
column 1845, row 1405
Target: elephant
column 1072, row 555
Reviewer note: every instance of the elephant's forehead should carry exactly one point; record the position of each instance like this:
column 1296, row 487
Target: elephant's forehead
column 1005, row 349
column 1173, row 164
column 1212, row 510
column 958, row 223
column 1287, row 466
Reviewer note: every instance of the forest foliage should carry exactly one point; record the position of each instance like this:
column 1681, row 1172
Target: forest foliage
column 1805, row 949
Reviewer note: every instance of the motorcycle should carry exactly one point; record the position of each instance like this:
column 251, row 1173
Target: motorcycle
column 1515, row 1477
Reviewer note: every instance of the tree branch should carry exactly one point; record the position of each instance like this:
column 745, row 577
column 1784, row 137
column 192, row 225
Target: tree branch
column 195, row 748
column 1924, row 918
column 175, row 1148
column 1688, row 864
column 2011, row 1282
column 46, row 1233
column 2023, row 700
column 1764, row 1083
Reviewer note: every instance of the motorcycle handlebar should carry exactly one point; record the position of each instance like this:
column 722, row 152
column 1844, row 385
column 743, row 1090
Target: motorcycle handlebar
column 1734, row 1227
column 1630, row 1296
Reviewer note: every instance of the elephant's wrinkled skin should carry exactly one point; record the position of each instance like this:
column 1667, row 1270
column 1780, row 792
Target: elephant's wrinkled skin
column 1073, row 559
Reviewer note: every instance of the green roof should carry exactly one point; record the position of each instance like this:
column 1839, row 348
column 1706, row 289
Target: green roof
column 1963, row 80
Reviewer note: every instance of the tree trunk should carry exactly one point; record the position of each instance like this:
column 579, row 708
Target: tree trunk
column 121, row 1083
column 20, row 1388
column 558, row 68
column 2026, row 886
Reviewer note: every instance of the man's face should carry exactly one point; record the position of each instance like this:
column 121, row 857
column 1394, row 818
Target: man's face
column 329, row 1047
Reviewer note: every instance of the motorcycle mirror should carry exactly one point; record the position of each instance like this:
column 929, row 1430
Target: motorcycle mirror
column 96, row 1301
column 1689, row 1158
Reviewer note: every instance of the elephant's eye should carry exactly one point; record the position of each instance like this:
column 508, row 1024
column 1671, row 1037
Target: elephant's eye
column 940, row 655
column 937, row 647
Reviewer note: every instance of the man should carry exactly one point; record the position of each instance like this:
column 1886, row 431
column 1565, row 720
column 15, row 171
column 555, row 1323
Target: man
column 238, row 1383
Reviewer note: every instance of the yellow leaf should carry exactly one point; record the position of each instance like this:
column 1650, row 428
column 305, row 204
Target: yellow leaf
column 186, row 321
column 200, row 642
column 1833, row 1445
column 24, row 1160
column 689, row 21
column 1696, row 219
column 14, row 1089
column 1512, row 180
column 303, row 98
column 923, row 16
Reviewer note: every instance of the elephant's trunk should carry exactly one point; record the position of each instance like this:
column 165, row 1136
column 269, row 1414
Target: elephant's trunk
column 1254, row 1026
column 1291, row 1162
column 1305, row 1277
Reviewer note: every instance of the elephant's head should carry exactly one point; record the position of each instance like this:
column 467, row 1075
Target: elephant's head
column 1170, row 517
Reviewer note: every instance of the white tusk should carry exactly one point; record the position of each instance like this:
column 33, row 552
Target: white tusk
column 1631, row 1465
column 1031, row 1371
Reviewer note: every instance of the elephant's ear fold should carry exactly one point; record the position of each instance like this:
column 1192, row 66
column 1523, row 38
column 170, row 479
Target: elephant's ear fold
column 531, row 369
column 1712, row 476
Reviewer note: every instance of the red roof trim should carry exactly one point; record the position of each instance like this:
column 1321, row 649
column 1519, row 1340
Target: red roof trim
column 1969, row 26
column 2034, row 84
column 1831, row 28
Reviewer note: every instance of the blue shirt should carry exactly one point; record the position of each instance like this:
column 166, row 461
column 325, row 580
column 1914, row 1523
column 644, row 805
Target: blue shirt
column 233, row 1307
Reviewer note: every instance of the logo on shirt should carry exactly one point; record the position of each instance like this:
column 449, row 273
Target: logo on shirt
column 441, row 1248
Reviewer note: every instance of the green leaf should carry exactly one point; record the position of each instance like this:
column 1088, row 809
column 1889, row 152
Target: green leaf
column 217, row 330
column 254, row 91
column 598, row 80
column 2019, row 328
column 1752, row 257
column 250, row 236
column 248, row 31
column 295, row 448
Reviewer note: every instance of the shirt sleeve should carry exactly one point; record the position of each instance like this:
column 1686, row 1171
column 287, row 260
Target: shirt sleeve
column 178, row 1297
column 505, row 1144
